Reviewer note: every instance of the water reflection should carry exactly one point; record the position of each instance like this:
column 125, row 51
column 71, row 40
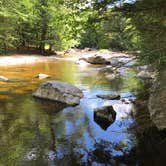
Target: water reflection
column 42, row 133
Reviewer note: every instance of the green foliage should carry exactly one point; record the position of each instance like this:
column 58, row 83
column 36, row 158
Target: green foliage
column 29, row 23
column 150, row 21
column 60, row 24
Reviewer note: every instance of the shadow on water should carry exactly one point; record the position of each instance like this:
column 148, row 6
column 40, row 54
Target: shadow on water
column 37, row 132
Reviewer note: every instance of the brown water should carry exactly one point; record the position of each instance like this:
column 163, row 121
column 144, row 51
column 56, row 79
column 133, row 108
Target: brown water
column 37, row 133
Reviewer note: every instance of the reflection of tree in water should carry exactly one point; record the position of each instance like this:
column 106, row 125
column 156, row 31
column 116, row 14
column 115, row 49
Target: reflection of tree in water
column 24, row 130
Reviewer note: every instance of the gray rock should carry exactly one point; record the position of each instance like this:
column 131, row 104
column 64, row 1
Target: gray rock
column 104, row 116
column 157, row 101
column 113, row 96
column 59, row 91
column 2, row 78
column 96, row 60
column 146, row 75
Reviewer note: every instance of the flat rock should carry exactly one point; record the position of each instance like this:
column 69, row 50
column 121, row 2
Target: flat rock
column 42, row 76
column 60, row 92
column 104, row 116
column 113, row 96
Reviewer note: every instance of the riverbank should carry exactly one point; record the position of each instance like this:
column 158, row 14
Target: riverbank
column 73, row 55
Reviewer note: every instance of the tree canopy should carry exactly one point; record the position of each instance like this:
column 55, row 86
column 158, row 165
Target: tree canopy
column 59, row 25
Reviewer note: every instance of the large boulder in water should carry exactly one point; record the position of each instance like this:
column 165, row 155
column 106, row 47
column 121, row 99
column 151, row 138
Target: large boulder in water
column 104, row 116
column 59, row 91
column 157, row 101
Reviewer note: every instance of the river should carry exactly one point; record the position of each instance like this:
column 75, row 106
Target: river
column 33, row 132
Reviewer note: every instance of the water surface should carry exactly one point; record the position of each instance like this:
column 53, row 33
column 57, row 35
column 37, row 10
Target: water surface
column 35, row 132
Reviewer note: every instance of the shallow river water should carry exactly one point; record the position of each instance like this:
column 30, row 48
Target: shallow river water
column 34, row 132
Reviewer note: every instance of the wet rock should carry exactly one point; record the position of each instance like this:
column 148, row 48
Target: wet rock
column 59, row 91
column 115, row 62
column 104, row 116
column 113, row 96
column 42, row 76
column 157, row 101
column 2, row 78
column 96, row 60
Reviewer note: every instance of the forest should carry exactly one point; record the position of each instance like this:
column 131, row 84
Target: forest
column 108, row 24
column 82, row 82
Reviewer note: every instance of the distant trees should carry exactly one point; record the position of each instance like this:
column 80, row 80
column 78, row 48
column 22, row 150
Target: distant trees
column 41, row 24
column 61, row 24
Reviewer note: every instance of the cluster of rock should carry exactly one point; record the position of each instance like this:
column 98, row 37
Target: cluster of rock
column 70, row 96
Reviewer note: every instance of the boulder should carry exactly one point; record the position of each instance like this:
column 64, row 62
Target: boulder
column 2, row 78
column 104, row 116
column 157, row 101
column 112, row 96
column 60, row 92
column 96, row 60
column 42, row 76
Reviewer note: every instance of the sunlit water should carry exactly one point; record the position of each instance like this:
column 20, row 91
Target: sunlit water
column 33, row 132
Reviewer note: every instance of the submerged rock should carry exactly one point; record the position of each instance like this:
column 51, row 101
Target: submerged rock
column 42, row 76
column 104, row 116
column 113, row 96
column 96, row 60
column 157, row 101
column 2, row 78
column 59, row 91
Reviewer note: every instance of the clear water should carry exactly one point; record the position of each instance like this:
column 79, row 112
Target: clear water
column 36, row 133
